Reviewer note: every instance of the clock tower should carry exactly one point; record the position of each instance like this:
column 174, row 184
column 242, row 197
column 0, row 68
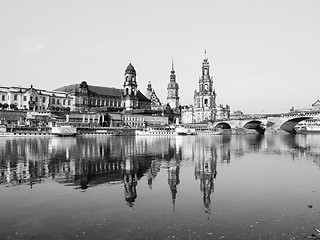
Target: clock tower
column 173, row 90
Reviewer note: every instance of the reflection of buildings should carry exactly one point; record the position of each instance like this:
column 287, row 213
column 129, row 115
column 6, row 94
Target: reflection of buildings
column 173, row 180
column 206, row 171
column 130, row 180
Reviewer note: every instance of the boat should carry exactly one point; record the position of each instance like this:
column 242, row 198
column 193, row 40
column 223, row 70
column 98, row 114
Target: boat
column 64, row 131
column 210, row 131
column 156, row 131
column 182, row 130
column 308, row 126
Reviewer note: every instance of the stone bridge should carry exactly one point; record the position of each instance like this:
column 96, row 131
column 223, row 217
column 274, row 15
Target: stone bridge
column 274, row 122
column 258, row 124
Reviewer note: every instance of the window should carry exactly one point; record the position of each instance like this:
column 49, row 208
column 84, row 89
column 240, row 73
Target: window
column 58, row 102
column 36, row 99
column 64, row 102
column 44, row 99
column 53, row 101
column 30, row 98
column 24, row 98
column 69, row 102
column 3, row 97
column 15, row 97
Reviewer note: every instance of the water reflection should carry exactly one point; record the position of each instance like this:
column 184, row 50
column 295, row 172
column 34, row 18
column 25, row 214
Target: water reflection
column 85, row 162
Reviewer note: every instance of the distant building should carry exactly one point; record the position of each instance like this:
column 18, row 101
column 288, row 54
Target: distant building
column 152, row 96
column 205, row 97
column 223, row 112
column 87, row 97
column 108, row 99
column 204, row 109
column 34, row 99
column 132, row 98
column 316, row 105
column 173, row 91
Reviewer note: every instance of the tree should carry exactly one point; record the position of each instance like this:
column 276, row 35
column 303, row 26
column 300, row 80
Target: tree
column 5, row 105
column 12, row 106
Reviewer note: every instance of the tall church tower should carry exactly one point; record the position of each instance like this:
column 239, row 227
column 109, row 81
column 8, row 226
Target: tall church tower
column 205, row 97
column 130, row 99
column 173, row 90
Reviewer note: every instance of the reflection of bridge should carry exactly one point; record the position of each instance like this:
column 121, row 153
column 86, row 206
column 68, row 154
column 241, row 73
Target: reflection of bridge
column 275, row 122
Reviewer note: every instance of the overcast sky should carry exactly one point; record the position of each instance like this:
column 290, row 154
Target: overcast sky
column 264, row 55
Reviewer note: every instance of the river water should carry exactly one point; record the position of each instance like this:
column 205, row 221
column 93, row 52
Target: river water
column 178, row 187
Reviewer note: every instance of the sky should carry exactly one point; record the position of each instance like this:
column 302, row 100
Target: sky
column 264, row 55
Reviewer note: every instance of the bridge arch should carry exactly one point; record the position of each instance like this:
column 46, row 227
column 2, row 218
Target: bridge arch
column 256, row 125
column 289, row 125
column 223, row 125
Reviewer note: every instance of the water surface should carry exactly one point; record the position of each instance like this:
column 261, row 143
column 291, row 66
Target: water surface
column 178, row 187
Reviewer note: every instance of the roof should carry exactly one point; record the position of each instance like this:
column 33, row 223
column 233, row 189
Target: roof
column 72, row 89
column 316, row 103
column 105, row 91
column 130, row 70
column 141, row 97
column 95, row 90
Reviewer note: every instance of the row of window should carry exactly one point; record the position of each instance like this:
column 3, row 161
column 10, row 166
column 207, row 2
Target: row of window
column 133, row 118
column 36, row 99
column 102, row 103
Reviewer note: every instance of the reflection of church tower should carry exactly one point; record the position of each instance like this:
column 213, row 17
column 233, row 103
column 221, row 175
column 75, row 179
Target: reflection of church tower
column 130, row 181
column 152, row 172
column 206, row 171
column 173, row 181
column 130, row 99
column 205, row 98
column 173, row 90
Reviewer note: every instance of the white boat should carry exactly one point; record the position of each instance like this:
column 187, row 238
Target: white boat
column 182, row 130
column 308, row 126
column 64, row 131
column 209, row 131
column 156, row 131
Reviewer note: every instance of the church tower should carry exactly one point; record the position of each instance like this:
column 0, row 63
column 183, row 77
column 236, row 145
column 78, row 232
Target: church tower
column 205, row 97
column 130, row 99
column 173, row 91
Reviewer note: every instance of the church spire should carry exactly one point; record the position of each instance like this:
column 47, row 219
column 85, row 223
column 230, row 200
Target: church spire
column 172, row 68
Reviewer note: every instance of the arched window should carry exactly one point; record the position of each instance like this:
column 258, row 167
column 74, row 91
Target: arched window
column 206, row 102
column 127, row 91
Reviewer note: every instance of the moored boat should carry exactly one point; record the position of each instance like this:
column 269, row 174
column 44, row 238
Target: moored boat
column 156, row 131
column 182, row 130
column 64, row 131
column 210, row 131
column 308, row 126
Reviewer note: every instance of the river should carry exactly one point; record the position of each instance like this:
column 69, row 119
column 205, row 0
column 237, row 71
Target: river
column 178, row 187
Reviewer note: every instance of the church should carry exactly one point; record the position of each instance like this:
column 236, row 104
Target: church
column 204, row 109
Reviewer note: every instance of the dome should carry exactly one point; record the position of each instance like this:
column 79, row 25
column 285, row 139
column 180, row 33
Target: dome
column 173, row 85
column 130, row 70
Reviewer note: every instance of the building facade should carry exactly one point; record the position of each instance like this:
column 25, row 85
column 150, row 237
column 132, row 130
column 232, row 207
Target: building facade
column 204, row 108
column 205, row 96
column 93, row 98
column 152, row 96
column 33, row 99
